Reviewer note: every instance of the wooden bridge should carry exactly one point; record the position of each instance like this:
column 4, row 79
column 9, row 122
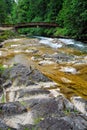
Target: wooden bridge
column 32, row 24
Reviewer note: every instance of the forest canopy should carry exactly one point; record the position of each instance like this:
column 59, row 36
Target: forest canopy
column 71, row 15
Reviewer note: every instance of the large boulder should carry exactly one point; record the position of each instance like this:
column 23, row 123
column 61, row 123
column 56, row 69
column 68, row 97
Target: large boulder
column 23, row 75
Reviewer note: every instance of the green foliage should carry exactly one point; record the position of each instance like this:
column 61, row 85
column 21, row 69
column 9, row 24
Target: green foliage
column 36, row 11
column 23, row 103
column 37, row 120
column 73, row 17
column 26, row 129
column 61, row 32
column 9, row 129
column 6, row 35
column 70, row 15
column 5, row 11
column 2, row 11
column 3, row 99
column 1, row 69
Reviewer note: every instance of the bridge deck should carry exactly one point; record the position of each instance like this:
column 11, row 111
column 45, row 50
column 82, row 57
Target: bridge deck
column 36, row 24
column 32, row 24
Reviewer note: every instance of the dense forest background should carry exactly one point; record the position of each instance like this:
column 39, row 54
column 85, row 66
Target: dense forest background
column 71, row 15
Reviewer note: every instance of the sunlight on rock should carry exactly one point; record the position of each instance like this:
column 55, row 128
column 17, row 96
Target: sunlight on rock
column 55, row 92
column 65, row 80
column 5, row 66
column 69, row 70
column 15, row 45
column 80, row 104
column 17, row 51
column 23, row 119
column 46, row 62
column 0, row 53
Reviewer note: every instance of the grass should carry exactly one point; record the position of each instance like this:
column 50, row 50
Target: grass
column 3, row 99
column 1, row 68
column 68, row 112
column 23, row 103
column 26, row 129
column 37, row 120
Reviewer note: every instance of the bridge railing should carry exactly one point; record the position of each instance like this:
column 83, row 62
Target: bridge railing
column 7, row 25
column 31, row 24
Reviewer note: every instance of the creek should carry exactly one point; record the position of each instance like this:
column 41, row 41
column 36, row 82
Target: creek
column 62, row 60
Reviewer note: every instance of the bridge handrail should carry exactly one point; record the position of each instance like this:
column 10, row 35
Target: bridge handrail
column 31, row 24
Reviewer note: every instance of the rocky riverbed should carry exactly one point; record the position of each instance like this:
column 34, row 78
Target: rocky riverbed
column 43, row 87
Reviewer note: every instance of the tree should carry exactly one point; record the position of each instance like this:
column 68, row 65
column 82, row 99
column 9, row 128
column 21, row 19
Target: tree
column 53, row 9
column 73, row 16
column 2, row 11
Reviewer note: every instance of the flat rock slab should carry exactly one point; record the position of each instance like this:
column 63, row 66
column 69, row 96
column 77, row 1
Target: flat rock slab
column 24, row 75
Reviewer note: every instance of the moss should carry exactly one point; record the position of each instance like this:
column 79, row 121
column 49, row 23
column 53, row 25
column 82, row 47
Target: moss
column 7, row 34
column 37, row 120
column 1, row 69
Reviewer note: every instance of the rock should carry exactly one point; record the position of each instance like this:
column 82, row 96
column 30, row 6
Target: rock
column 1, row 45
column 46, row 62
column 65, row 80
column 77, row 122
column 68, row 105
column 51, row 123
column 80, row 123
column 12, row 108
column 24, row 75
column 8, row 83
column 80, row 104
column 68, row 70
column 60, row 57
column 33, row 58
column 3, row 126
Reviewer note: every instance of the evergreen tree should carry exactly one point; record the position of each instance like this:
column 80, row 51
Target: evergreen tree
column 73, row 16
column 2, row 11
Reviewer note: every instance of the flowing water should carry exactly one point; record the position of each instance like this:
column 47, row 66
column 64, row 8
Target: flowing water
column 62, row 60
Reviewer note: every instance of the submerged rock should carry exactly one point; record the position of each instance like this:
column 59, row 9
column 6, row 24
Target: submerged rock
column 68, row 70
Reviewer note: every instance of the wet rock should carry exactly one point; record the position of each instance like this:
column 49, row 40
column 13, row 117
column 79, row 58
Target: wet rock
column 1, row 80
column 45, row 108
column 68, row 105
column 1, row 45
column 65, row 80
column 3, row 126
column 28, row 93
column 77, row 122
column 32, row 51
column 80, row 104
column 46, row 62
column 68, row 70
column 80, row 123
column 8, row 83
column 24, row 75
column 38, row 76
column 27, row 127
column 33, row 58
column 60, row 57
column 12, row 108
column 51, row 123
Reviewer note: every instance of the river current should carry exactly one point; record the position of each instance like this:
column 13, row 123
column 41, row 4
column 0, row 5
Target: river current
column 62, row 60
